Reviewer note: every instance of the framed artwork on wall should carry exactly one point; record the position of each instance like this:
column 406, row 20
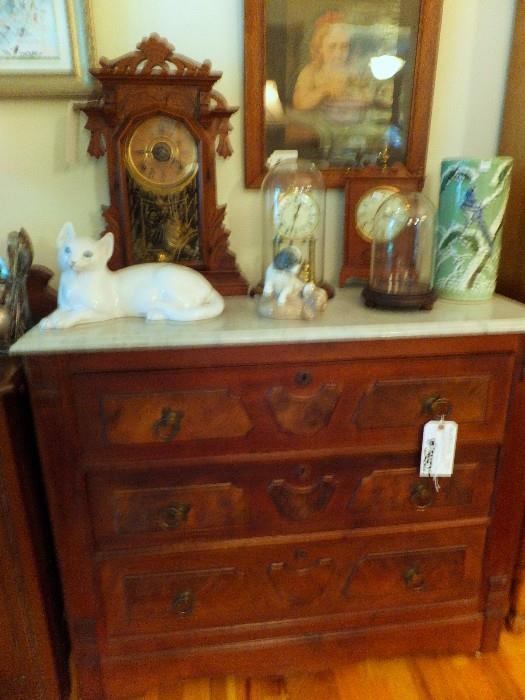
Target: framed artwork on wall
column 346, row 83
column 46, row 48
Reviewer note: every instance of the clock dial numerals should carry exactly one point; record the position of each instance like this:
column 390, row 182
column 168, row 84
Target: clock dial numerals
column 296, row 215
column 367, row 207
column 162, row 154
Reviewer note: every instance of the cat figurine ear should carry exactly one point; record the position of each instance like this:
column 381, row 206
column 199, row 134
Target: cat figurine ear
column 106, row 243
column 66, row 235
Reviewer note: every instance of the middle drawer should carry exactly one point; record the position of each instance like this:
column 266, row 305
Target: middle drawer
column 155, row 506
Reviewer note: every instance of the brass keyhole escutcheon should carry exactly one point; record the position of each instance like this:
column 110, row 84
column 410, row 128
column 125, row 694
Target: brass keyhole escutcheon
column 300, row 554
column 183, row 603
column 303, row 472
column 303, row 379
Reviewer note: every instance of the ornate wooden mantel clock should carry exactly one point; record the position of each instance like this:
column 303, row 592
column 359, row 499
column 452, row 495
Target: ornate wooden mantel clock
column 158, row 121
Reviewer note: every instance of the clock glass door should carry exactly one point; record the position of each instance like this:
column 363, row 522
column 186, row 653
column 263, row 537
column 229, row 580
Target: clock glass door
column 162, row 163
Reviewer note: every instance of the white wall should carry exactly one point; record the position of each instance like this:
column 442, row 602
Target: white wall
column 40, row 190
column 474, row 49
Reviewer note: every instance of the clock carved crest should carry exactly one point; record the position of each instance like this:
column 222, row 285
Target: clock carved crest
column 160, row 123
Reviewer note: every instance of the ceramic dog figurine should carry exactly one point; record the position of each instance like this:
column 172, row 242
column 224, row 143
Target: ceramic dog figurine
column 89, row 291
column 281, row 279
column 285, row 295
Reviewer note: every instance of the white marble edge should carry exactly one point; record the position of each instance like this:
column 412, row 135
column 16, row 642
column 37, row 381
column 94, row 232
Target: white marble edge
column 346, row 318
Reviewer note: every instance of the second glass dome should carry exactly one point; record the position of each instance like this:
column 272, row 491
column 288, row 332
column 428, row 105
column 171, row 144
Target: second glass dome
column 402, row 255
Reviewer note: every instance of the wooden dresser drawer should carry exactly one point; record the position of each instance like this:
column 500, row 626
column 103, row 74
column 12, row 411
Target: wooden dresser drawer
column 154, row 506
column 253, row 584
column 358, row 404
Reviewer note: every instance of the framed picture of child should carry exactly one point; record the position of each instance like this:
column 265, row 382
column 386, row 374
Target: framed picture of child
column 346, row 83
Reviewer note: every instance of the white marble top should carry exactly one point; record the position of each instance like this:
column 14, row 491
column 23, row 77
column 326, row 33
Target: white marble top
column 346, row 318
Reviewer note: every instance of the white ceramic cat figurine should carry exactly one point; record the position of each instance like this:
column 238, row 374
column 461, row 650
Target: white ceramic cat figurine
column 89, row 291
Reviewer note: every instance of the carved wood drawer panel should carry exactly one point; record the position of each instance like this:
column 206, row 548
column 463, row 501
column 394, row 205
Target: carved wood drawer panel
column 154, row 506
column 356, row 404
column 148, row 595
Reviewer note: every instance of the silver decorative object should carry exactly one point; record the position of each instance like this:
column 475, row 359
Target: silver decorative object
column 15, row 314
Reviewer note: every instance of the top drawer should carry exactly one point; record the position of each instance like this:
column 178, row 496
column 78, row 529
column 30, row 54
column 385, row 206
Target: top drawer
column 346, row 404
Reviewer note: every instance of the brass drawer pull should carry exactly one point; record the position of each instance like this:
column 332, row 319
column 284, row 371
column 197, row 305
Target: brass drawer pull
column 414, row 579
column 175, row 514
column 183, row 603
column 421, row 495
column 437, row 407
column 168, row 425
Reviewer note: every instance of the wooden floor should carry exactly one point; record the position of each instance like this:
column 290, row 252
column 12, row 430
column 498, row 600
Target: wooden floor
column 494, row 676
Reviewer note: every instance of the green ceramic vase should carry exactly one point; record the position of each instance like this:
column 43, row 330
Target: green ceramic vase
column 472, row 200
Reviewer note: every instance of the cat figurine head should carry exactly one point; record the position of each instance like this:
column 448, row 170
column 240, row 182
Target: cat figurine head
column 82, row 253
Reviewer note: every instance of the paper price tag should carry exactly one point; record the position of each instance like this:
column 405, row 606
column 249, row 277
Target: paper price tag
column 439, row 448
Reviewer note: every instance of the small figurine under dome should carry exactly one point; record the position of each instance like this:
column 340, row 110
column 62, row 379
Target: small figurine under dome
column 285, row 295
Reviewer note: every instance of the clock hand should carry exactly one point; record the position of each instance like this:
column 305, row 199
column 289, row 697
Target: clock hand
column 176, row 159
column 294, row 219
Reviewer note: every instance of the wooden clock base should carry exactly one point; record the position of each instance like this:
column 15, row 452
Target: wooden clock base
column 373, row 298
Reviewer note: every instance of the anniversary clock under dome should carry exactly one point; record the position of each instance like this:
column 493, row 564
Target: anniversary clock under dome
column 158, row 122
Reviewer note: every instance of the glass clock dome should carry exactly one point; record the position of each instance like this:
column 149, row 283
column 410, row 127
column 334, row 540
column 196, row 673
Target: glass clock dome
column 402, row 255
column 293, row 194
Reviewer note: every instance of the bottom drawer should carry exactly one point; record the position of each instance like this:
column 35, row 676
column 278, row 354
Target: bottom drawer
column 350, row 574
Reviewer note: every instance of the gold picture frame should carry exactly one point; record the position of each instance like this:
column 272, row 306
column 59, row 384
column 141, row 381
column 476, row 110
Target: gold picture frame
column 46, row 48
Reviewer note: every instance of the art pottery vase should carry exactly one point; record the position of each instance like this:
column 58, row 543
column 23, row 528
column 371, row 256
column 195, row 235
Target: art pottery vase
column 472, row 201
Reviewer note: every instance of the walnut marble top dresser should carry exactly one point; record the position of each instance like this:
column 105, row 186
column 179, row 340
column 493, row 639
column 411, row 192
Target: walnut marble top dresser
column 243, row 494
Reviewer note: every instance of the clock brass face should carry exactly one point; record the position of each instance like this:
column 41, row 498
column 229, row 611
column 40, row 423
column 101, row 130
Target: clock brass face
column 367, row 207
column 162, row 155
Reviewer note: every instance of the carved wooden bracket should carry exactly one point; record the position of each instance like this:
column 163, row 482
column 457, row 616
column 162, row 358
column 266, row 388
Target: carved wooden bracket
column 96, row 125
